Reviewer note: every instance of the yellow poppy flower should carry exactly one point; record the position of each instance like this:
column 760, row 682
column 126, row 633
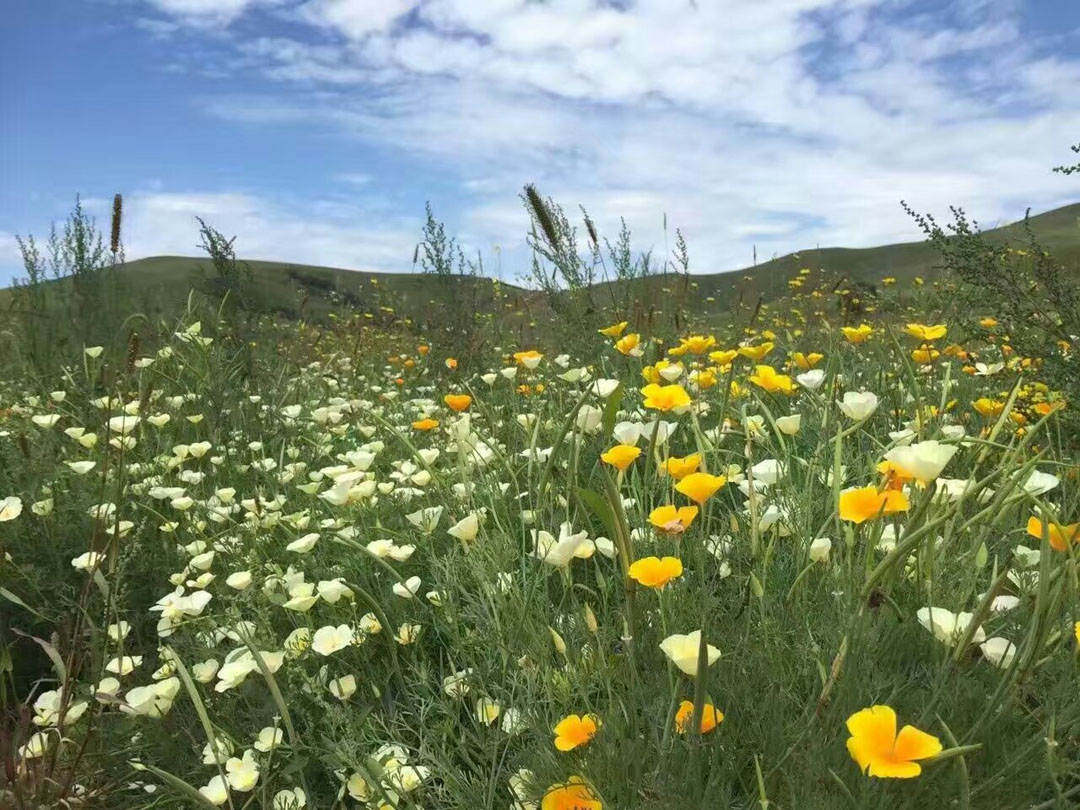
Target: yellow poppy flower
column 857, row 334
column 926, row 333
column 457, row 402
column 672, row 520
column 806, row 361
column 665, row 397
column 860, row 504
column 711, row 717
column 988, row 407
column 925, row 355
column 700, row 486
column 629, row 345
column 530, row 359
column 614, row 330
column 575, row 730
column 679, row 468
column 988, row 323
column 1060, row 536
column 723, row 357
column 697, row 344
column 767, row 378
column 880, row 751
column 756, row 353
column 574, row 795
column 621, row 456
column 653, row 572
column 425, row 424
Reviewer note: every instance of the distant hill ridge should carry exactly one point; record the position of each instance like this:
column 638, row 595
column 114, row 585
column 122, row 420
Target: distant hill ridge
column 293, row 290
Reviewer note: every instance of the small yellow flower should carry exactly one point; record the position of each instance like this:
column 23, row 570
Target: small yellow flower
column 723, row 357
column 700, row 486
column 988, row 407
column 880, row 751
column 857, row 334
column 574, row 795
column 614, row 330
column 756, row 353
column 458, row 402
column 806, row 361
column 630, row 345
column 665, row 397
column 860, row 504
column 767, row 378
column 679, row 468
column 653, row 572
column 425, row 424
column 697, row 344
column 1060, row 537
column 926, row 333
column 621, row 456
column 575, row 730
column 988, row 322
column 672, row 520
column 711, row 717
column 925, row 355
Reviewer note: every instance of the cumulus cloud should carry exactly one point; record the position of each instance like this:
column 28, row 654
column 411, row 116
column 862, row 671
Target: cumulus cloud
column 326, row 232
column 783, row 125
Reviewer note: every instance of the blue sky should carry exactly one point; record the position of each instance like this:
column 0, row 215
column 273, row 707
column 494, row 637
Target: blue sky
column 315, row 130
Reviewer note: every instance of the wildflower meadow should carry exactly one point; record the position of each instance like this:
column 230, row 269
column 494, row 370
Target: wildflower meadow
column 816, row 553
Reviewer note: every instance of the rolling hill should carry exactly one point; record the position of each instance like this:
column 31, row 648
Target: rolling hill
column 160, row 285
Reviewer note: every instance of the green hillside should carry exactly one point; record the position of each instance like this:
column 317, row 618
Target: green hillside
column 160, row 285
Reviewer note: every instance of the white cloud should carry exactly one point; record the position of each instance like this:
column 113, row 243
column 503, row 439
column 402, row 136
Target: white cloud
column 786, row 124
column 203, row 12
column 325, row 232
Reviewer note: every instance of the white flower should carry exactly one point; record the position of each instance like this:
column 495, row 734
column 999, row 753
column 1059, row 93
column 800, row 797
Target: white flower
column 328, row 640
column 820, row 548
column 987, row 369
column 294, row 799
column 466, row 528
column 426, row 519
column 682, row 650
column 215, row 791
column 124, row 665
column 268, row 739
column 560, row 552
column 408, row 588
column 627, row 432
column 242, row 774
column 589, row 418
column 87, row 561
column 789, row 425
column 811, row 380
column 152, row 701
column 1039, row 483
column 858, row 405
column 344, row 687
column 947, row 626
column 238, row 580
column 486, row 711
column 332, row 590
column 303, row 544
column 205, row 671
column 604, row 388
column 10, row 508
column 999, row 651
column 1004, row 603
column 923, row 461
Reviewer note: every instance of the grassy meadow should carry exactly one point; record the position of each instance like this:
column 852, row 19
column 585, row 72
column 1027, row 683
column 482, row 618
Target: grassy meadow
column 651, row 543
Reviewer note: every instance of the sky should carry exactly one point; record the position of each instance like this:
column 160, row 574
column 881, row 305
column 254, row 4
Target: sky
column 316, row 130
